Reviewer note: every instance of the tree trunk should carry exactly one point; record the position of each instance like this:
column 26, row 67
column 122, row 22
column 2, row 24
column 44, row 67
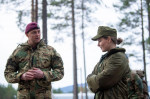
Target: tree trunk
column 86, row 97
column 143, row 42
column 34, row 11
column 44, row 18
column 148, row 10
column 75, row 87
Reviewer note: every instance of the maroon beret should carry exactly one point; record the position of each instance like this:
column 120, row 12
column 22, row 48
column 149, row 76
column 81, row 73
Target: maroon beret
column 31, row 26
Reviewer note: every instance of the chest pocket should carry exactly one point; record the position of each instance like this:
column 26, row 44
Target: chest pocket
column 44, row 60
column 23, row 60
column 23, row 64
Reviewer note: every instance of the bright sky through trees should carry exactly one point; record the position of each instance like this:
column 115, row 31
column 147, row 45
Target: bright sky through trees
column 11, row 36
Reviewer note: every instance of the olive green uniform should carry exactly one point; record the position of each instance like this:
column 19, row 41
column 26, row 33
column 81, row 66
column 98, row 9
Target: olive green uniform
column 108, row 79
column 24, row 58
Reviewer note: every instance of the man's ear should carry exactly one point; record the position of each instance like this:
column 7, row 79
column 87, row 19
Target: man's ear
column 27, row 34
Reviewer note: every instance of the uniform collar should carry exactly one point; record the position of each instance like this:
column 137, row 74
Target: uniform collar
column 41, row 43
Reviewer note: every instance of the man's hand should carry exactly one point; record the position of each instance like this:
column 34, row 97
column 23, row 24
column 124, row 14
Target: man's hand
column 27, row 76
column 37, row 73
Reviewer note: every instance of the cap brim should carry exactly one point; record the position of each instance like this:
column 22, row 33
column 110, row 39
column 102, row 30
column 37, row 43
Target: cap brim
column 95, row 38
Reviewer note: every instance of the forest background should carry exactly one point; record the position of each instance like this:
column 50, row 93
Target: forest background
column 129, row 17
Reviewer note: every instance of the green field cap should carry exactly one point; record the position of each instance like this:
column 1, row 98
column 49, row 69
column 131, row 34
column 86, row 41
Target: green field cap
column 105, row 31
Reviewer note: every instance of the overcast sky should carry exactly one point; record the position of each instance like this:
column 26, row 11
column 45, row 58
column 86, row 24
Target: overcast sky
column 11, row 36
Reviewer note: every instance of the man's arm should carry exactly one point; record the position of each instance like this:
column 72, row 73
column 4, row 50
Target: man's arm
column 11, row 71
column 57, row 71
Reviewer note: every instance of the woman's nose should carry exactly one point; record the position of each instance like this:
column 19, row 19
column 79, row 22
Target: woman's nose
column 98, row 44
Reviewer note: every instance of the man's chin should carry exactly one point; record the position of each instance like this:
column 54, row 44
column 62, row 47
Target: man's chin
column 37, row 41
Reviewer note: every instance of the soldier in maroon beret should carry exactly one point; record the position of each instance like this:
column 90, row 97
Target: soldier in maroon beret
column 34, row 65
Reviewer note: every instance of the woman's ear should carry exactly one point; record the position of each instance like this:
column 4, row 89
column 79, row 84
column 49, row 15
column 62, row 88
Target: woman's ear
column 109, row 39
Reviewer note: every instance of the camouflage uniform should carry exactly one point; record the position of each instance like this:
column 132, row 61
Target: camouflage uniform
column 108, row 79
column 24, row 58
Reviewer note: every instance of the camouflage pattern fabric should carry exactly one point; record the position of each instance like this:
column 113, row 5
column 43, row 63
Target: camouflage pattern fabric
column 24, row 58
column 135, row 86
column 145, row 90
column 141, row 74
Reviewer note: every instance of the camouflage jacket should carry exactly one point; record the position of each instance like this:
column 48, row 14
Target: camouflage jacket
column 43, row 57
column 108, row 79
